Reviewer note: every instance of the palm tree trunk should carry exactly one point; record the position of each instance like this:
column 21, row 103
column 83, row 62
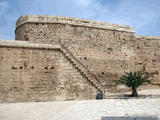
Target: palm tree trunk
column 134, row 92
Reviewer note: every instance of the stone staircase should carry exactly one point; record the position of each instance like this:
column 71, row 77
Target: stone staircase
column 83, row 70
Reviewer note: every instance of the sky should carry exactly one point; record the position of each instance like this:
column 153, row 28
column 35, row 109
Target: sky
column 143, row 15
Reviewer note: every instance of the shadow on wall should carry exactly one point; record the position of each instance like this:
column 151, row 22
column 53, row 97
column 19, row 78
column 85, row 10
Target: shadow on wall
column 131, row 118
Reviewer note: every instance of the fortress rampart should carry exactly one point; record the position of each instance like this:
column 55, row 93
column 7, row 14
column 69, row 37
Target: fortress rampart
column 33, row 72
column 61, row 58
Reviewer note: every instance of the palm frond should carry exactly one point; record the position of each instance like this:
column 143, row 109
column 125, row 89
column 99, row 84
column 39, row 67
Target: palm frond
column 135, row 79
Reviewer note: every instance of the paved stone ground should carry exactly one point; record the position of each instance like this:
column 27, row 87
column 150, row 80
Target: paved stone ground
column 107, row 109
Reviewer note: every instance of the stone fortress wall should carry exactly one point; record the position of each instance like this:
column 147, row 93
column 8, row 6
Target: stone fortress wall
column 61, row 58
column 39, row 72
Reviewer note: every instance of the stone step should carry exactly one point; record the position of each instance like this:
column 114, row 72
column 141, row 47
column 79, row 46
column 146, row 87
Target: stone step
column 83, row 70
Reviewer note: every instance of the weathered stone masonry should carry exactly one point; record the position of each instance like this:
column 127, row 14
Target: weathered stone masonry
column 35, row 72
column 60, row 58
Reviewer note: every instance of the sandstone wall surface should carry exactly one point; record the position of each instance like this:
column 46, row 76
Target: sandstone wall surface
column 106, row 50
column 35, row 72
column 36, row 66
column 148, row 56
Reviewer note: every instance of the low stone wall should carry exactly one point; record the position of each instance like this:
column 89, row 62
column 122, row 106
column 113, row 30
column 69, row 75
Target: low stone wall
column 39, row 72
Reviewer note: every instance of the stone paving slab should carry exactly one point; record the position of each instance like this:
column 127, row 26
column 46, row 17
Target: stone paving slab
column 151, row 93
column 107, row 109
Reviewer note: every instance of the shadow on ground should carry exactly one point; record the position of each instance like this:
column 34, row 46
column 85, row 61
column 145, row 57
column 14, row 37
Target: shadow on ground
column 130, row 118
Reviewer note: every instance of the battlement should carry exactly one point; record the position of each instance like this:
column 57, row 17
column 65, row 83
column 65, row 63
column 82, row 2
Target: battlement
column 72, row 21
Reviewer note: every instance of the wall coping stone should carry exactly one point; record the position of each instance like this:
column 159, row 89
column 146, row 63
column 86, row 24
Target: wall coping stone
column 72, row 21
column 24, row 44
column 147, row 37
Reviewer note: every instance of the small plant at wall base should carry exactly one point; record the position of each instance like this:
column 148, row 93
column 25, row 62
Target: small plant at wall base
column 133, row 81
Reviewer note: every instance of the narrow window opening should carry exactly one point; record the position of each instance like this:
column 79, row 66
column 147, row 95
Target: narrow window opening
column 13, row 67
column 52, row 67
column 85, row 58
column 20, row 67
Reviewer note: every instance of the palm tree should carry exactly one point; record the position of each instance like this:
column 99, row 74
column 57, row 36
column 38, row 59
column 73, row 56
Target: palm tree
column 133, row 81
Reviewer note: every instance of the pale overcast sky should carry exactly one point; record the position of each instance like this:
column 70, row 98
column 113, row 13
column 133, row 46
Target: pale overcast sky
column 144, row 15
